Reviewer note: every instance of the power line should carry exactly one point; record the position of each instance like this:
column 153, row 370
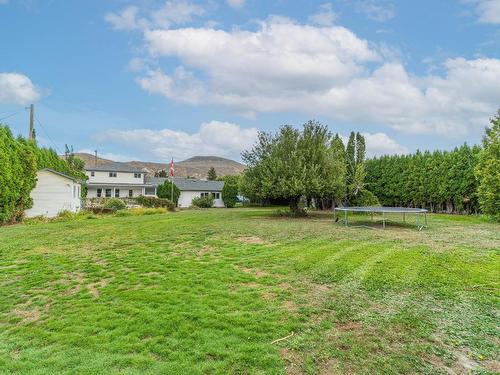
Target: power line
column 47, row 135
column 12, row 114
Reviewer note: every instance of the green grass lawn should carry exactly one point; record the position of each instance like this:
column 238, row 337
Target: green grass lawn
column 209, row 291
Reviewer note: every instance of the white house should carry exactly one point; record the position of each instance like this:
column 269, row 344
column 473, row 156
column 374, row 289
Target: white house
column 54, row 192
column 191, row 188
column 123, row 181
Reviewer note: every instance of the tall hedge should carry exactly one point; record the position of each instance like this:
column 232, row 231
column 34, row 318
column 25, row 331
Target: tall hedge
column 442, row 181
column 17, row 176
column 488, row 170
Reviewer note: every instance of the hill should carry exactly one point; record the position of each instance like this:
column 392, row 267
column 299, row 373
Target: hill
column 196, row 166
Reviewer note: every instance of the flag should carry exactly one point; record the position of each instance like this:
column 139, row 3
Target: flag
column 172, row 169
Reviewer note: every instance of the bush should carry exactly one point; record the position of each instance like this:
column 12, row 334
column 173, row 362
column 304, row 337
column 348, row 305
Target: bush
column 230, row 194
column 203, row 202
column 165, row 191
column 366, row 198
column 115, row 204
column 153, row 202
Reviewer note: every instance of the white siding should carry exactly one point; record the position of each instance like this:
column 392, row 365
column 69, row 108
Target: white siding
column 53, row 194
column 186, row 198
column 101, row 177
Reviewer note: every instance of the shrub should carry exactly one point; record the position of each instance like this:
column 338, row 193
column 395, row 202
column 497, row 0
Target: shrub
column 230, row 194
column 366, row 198
column 153, row 202
column 203, row 202
column 165, row 191
column 115, row 204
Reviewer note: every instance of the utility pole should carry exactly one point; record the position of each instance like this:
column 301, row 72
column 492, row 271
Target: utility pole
column 31, row 135
column 95, row 157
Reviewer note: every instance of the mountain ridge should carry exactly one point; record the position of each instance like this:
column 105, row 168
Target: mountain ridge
column 196, row 166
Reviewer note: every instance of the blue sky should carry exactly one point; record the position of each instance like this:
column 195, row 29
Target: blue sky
column 152, row 79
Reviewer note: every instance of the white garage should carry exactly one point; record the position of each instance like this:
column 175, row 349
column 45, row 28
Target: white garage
column 54, row 192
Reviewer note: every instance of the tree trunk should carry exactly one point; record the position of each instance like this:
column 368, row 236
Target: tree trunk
column 294, row 204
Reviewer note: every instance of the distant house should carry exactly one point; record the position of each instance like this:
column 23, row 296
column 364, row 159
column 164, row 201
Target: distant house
column 191, row 188
column 54, row 192
column 123, row 181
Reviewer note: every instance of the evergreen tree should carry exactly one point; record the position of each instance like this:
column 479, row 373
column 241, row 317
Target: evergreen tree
column 212, row 174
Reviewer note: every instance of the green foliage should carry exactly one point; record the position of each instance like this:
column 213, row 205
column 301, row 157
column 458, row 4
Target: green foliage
column 212, row 174
column 365, row 198
column 115, row 204
column 355, row 159
column 292, row 163
column 165, row 191
column 230, row 190
column 203, row 202
column 153, row 202
column 439, row 181
column 488, row 170
column 163, row 173
column 17, row 175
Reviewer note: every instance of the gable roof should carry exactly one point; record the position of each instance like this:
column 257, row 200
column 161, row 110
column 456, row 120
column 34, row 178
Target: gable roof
column 61, row 174
column 114, row 167
column 189, row 184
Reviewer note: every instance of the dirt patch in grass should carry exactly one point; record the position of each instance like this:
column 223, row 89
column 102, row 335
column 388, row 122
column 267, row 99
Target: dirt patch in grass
column 93, row 288
column 290, row 306
column 252, row 240
column 349, row 326
column 205, row 250
column 258, row 273
column 492, row 365
column 294, row 363
column 27, row 315
column 268, row 296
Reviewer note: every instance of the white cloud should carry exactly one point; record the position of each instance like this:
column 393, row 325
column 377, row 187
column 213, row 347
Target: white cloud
column 376, row 10
column 236, row 3
column 325, row 16
column 285, row 66
column 212, row 138
column 172, row 12
column 488, row 11
column 16, row 88
column 321, row 70
column 381, row 144
column 125, row 20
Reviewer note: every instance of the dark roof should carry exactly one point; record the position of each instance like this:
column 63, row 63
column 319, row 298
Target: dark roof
column 114, row 167
column 188, row 184
column 62, row 175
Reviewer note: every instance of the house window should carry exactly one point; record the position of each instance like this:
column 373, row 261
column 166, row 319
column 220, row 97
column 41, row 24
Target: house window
column 108, row 193
column 92, row 173
column 99, row 193
column 205, row 195
column 112, row 174
column 117, row 193
column 130, row 193
column 137, row 175
column 149, row 191
column 79, row 192
column 74, row 191
column 216, row 195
